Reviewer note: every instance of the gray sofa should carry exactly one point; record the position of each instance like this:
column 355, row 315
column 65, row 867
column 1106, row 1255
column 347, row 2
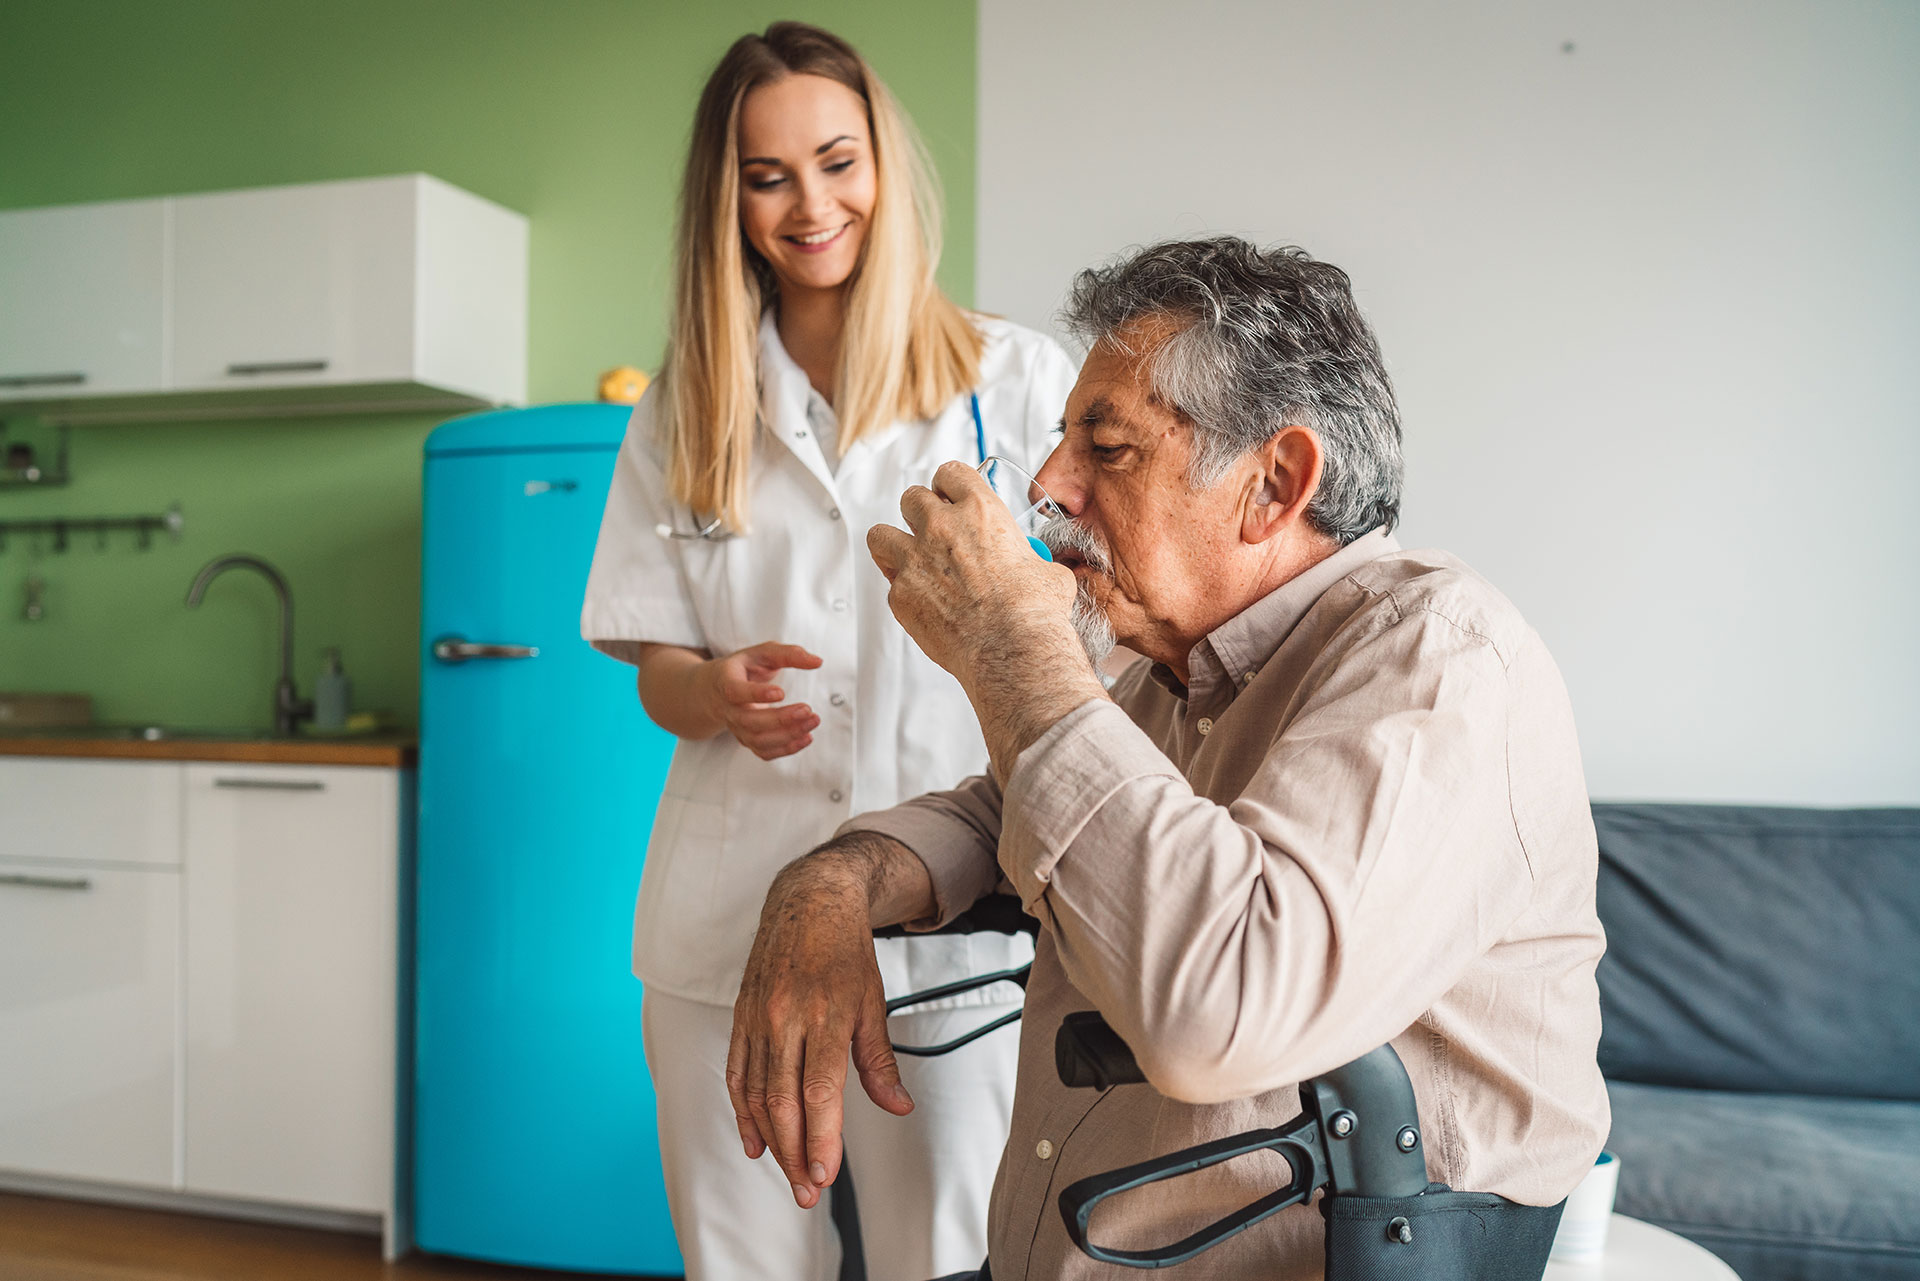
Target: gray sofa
column 1760, row 1000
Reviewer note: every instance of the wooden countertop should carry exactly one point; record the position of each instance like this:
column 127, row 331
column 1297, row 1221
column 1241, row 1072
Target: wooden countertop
column 390, row 751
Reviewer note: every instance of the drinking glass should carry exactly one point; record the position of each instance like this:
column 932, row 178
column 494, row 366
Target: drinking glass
column 1017, row 487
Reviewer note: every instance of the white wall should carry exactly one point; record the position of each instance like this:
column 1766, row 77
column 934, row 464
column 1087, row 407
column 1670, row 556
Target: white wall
column 1652, row 308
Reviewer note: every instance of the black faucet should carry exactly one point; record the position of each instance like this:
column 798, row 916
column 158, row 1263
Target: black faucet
column 289, row 709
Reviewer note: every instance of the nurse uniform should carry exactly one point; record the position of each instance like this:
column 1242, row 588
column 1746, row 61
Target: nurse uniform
column 892, row 725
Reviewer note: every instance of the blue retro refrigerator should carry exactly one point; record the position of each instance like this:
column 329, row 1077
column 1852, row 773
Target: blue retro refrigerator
column 533, row 1119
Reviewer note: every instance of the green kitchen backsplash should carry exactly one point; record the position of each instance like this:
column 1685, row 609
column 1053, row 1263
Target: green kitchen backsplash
column 572, row 112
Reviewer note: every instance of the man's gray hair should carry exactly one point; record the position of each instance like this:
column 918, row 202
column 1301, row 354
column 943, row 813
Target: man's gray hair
column 1268, row 339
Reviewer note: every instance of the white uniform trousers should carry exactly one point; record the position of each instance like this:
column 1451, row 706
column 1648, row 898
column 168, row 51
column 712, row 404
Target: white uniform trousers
column 921, row 1181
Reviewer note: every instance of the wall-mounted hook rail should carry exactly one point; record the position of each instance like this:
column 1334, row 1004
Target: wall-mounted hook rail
column 63, row 528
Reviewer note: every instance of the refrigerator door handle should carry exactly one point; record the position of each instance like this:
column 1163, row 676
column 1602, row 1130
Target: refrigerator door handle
column 458, row 649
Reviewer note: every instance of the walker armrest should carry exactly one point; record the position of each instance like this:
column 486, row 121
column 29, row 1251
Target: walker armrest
column 1297, row 1143
column 1358, row 1135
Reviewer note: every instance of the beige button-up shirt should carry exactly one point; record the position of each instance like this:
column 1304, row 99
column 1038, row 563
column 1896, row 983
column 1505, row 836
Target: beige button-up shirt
column 1364, row 821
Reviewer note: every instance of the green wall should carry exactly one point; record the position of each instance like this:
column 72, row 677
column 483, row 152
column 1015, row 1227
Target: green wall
column 573, row 112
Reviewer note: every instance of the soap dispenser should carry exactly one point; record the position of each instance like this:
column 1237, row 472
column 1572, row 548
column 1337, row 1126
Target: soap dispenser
column 332, row 692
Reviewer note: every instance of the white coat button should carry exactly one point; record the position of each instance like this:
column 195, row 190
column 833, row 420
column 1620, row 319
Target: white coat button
column 1206, row 725
column 838, row 700
column 1043, row 1149
column 833, row 514
column 839, row 605
column 834, row 796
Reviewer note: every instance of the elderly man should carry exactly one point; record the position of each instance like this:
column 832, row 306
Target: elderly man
column 1341, row 805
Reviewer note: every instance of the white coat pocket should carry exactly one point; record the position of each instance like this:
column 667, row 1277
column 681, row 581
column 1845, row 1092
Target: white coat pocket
column 677, row 918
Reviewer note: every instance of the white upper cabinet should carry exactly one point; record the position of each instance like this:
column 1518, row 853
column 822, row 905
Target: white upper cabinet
column 308, row 284
column 373, row 294
column 82, row 300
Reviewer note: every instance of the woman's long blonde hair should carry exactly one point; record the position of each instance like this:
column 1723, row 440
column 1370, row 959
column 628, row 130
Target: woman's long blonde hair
column 906, row 349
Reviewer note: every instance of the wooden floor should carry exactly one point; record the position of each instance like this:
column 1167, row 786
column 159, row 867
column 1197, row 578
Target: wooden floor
column 43, row 1239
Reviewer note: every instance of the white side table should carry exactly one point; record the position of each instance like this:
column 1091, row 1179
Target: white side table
column 1639, row 1251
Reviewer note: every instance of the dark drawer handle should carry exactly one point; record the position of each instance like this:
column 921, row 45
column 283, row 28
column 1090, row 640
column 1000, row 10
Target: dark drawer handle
column 46, row 882
column 278, row 367
column 271, row 784
column 41, row 380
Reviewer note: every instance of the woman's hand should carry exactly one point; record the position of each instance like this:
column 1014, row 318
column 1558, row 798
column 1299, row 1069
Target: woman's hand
column 739, row 693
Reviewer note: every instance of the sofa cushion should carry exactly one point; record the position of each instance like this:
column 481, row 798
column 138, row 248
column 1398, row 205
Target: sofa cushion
column 1784, row 1187
column 1753, row 948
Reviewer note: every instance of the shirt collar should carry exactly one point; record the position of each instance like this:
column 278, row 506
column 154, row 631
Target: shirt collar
column 783, row 384
column 785, row 394
column 1241, row 646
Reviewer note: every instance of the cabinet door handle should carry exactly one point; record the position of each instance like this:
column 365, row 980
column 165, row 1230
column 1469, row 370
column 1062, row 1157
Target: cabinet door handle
column 458, row 649
column 41, row 380
column 272, row 784
column 47, row 882
column 277, row 367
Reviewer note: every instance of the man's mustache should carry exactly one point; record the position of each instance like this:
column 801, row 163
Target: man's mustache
column 1065, row 534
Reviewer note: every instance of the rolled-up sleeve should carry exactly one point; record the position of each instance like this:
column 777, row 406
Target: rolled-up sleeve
column 955, row 833
column 637, row 589
column 1367, row 863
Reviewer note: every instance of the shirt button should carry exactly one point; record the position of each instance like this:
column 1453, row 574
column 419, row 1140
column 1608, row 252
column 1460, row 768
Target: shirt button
column 835, row 796
column 1246, row 678
column 1043, row 1149
column 833, row 514
column 1206, row 725
column 801, row 434
column 838, row 700
column 839, row 605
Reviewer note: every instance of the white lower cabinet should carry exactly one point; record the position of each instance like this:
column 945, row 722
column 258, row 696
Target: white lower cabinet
column 89, row 981
column 106, row 812
column 199, row 978
column 291, row 954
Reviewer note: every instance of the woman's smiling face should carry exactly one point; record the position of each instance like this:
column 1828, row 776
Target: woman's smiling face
column 807, row 179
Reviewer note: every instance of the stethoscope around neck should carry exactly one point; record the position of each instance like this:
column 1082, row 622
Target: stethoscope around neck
column 712, row 533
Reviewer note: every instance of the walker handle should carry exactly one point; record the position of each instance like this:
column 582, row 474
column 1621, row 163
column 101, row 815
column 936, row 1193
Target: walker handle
column 1298, row 1143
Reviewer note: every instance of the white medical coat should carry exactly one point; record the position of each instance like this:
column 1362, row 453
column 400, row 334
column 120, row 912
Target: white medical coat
column 892, row 723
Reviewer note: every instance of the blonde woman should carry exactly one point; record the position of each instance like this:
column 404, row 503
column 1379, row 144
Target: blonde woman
column 814, row 371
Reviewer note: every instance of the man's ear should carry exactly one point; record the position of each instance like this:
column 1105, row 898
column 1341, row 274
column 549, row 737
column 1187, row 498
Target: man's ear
column 1290, row 466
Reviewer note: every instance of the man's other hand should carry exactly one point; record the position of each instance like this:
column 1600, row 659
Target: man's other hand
column 810, row 994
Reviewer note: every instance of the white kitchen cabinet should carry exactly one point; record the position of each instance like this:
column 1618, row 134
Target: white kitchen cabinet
column 89, row 1003
column 370, row 294
column 308, row 284
column 292, row 936
column 199, row 985
column 90, row 811
column 82, row 299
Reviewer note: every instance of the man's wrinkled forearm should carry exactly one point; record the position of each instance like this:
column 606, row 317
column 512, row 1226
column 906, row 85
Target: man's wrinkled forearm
column 887, row 875
column 1022, row 685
